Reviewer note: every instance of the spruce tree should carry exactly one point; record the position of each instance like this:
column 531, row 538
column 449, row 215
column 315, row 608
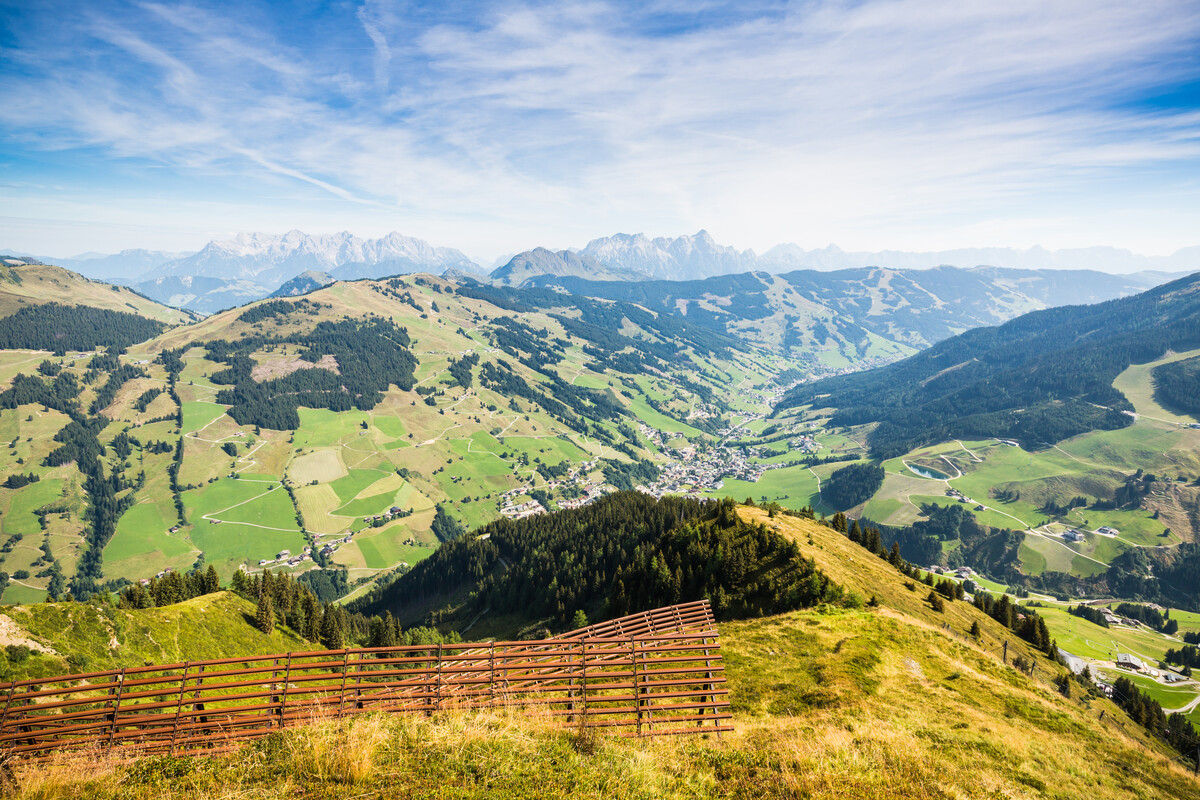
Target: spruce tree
column 312, row 617
column 380, row 632
column 333, row 634
column 390, row 628
column 264, row 613
column 212, row 583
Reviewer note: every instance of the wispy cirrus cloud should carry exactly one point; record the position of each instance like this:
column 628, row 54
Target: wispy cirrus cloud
column 888, row 122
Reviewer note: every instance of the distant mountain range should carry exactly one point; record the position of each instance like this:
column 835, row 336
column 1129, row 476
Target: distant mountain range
column 540, row 262
column 251, row 266
column 122, row 267
column 685, row 258
column 271, row 260
column 679, row 259
column 806, row 308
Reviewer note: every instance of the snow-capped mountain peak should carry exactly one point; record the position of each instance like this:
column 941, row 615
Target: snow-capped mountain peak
column 271, row 259
column 680, row 258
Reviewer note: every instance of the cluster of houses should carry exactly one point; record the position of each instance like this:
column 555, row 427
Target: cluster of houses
column 694, row 471
column 657, row 437
column 395, row 512
column 740, row 426
column 329, row 548
column 804, row 443
column 589, row 492
column 962, row 498
column 1076, row 535
column 530, row 508
column 1115, row 619
column 589, row 496
column 961, row 573
column 285, row 558
column 159, row 576
column 1133, row 663
column 1130, row 662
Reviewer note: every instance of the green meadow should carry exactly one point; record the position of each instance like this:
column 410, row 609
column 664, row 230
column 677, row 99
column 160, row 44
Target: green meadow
column 142, row 544
column 791, row 487
column 261, row 522
column 199, row 414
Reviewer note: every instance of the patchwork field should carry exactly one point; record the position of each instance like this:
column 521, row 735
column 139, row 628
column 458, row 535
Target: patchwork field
column 463, row 447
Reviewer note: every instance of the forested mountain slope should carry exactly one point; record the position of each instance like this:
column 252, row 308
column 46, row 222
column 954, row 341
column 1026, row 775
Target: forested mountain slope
column 1042, row 377
column 624, row 553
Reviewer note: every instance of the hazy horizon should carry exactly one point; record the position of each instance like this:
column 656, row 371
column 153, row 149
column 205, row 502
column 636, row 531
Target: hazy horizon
column 1016, row 258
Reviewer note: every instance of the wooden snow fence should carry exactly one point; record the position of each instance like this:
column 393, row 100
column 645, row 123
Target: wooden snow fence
column 649, row 674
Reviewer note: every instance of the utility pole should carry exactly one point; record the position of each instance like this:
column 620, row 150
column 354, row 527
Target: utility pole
column 1004, row 658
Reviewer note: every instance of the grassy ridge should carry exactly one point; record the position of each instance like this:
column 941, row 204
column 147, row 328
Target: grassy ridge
column 85, row 636
column 828, row 703
column 35, row 284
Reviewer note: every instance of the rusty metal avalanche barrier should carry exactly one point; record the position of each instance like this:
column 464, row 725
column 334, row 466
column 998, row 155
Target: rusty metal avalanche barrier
column 649, row 674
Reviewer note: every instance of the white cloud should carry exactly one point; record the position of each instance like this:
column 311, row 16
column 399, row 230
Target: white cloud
column 890, row 123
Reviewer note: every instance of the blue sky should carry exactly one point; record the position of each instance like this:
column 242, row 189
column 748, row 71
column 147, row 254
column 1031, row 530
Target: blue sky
column 494, row 127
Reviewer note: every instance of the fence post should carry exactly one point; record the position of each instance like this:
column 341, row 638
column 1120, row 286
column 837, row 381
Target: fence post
column 287, row 675
column 492, row 674
column 358, row 703
column 12, row 689
column 583, row 687
column 345, row 672
column 712, row 698
column 196, row 696
column 571, row 716
column 439, row 678
column 112, row 731
column 179, row 705
column 637, row 683
column 270, row 712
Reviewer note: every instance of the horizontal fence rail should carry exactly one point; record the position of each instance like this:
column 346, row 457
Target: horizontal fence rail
column 656, row 673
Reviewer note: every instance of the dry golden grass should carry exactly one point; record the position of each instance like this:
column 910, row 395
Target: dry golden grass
column 342, row 751
column 828, row 703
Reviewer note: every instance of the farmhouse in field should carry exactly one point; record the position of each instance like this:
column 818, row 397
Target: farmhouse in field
column 1130, row 662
